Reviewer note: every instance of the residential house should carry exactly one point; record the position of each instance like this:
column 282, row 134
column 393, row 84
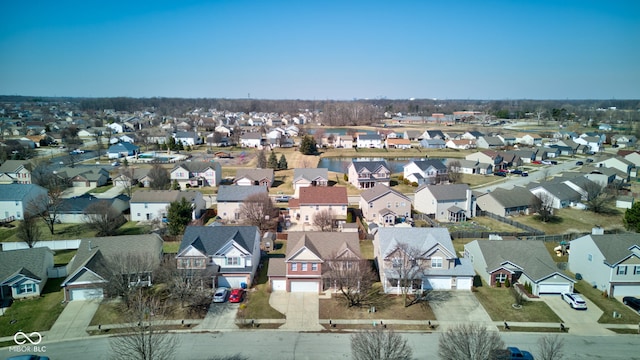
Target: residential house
column 527, row 156
column 117, row 128
column 16, row 199
column 507, row 140
column 15, row 171
column 549, row 152
column 461, row 144
column 75, row 210
column 503, row 202
column 425, row 171
column 585, row 187
column 529, row 139
column 84, row 176
column 592, row 142
column 311, row 261
column 229, row 254
column 366, row 174
column 231, row 197
column 433, row 134
column 624, row 141
column 619, row 163
column 149, row 205
column 436, row 143
column 251, row 139
column 425, row 257
column 309, row 177
column 248, row 177
column 473, row 167
column 523, row 262
column 471, row 135
column 122, row 149
column 489, row 142
column 633, row 157
column 92, row 266
column 412, row 135
column 129, row 138
column 24, row 273
column 383, row 205
column 510, row 159
column 196, row 174
column 624, row 202
column 447, row 203
column 315, row 199
column 601, row 175
column 488, row 157
column 366, row 141
column 610, row 263
column 559, row 196
column 392, row 143
column 187, row 138
column 130, row 177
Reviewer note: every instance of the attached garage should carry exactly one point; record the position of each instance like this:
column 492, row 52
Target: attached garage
column 232, row 282
column 464, row 283
column 279, row 285
column 437, row 283
column 551, row 288
column 625, row 290
column 305, row 286
column 86, row 294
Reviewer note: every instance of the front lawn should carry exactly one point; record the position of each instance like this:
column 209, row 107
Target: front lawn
column 101, row 189
column 257, row 303
column 608, row 305
column 72, row 231
column 336, row 308
column 37, row 314
column 497, row 302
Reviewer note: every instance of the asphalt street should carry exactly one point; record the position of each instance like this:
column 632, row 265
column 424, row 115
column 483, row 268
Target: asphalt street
column 267, row 344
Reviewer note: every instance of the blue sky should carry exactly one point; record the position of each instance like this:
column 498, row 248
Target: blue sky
column 322, row 49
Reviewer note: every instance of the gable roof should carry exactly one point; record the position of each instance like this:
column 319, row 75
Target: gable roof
column 122, row 146
column 17, row 192
column 323, row 195
column 236, row 193
column 423, row 239
column 210, row 239
column 310, row 174
column 615, row 247
column 380, row 190
column 28, row 262
column 325, row 245
column 255, row 174
column 11, row 166
column 427, row 163
column 561, row 191
column 446, row 192
column 516, row 197
column 371, row 166
column 531, row 256
column 162, row 196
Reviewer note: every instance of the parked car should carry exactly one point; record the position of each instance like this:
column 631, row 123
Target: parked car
column 579, row 163
column 538, row 162
column 632, row 302
column 283, row 198
column 546, row 162
column 220, row 295
column 575, row 301
column 517, row 172
column 589, row 160
column 237, row 295
column 77, row 151
column 524, row 173
column 553, row 162
column 500, row 173
column 510, row 353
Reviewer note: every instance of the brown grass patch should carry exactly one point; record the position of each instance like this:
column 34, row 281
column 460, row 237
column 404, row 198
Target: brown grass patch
column 336, row 308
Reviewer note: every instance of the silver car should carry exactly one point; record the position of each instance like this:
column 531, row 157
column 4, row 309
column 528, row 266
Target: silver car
column 221, row 295
column 575, row 301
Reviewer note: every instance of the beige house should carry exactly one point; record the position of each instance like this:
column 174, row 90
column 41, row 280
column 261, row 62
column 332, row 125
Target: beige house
column 366, row 174
column 248, row 177
column 15, row 171
column 309, row 177
column 314, row 200
column 383, row 205
column 231, row 197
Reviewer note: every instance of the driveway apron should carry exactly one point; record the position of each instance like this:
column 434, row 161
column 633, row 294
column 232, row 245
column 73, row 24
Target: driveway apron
column 74, row 320
column 221, row 316
column 301, row 309
column 578, row 321
column 454, row 307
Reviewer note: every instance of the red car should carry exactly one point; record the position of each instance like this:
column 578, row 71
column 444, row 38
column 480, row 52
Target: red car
column 537, row 162
column 236, row 296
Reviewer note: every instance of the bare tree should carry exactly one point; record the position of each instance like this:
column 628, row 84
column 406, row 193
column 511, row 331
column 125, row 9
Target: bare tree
column 598, row 198
column 468, row 341
column 190, row 287
column 323, row 219
column 48, row 207
column 354, row 278
column 409, row 266
column 542, row 204
column 380, row 344
column 144, row 338
column 126, row 275
column 97, row 136
column 259, row 210
column 129, row 181
column 28, row 230
column 160, row 179
column 103, row 218
column 453, row 171
column 550, row 347
column 73, row 158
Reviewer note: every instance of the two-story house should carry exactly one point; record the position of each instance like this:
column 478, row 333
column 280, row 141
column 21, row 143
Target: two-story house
column 251, row 139
column 425, row 171
column 148, row 205
column 619, row 163
column 15, row 171
column 16, row 199
column 196, row 174
column 422, row 258
column 609, row 262
column 229, row 254
column 306, row 266
column 447, row 203
column 383, row 205
column 366, row 141
column 305, row 177
column 314, row 200
column 488, row 157
column 187, row 138
column 366, row 174
column 248, row 177
column 231, row 197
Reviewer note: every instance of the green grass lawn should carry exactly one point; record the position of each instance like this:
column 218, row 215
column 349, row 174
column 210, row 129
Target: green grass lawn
column 257, row 304
column 366, row 249
column 497, row 302
column 133, row 228
column 573, row 221
column 71, row 231
column 607, row 304
column 170, row 247
column 63, row 257
column 101, row 189
column 37, row 314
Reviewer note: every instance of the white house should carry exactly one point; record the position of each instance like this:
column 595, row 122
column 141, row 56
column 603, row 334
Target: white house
column 448, row 203
column 369, row 141
column 148, row 205
column 15, row 199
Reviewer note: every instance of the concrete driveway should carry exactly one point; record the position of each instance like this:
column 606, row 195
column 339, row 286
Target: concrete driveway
column 74, row 320
column 457, row 307
column 578, row 321
column 221, row 316
column 301, row 309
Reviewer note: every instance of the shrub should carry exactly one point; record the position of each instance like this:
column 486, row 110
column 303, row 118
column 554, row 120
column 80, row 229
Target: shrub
column 498, row 284
column 401, row 178
column 477, row 281
column 346, row 177
column 414, row 184
column 507, row 283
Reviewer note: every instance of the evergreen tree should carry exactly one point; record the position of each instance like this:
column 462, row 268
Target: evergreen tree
column 632, row 218
column 262, row 160
column 308, row 146
column 178, row 215
column 282, row 164
column 273, row 161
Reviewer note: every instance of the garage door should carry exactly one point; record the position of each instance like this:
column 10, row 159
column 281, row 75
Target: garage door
column 86, row 294
column 438, row 284
column 626, row 290
column 278, row 285
column 304, row 286
column 233, row 282
column 554, row 288
column 464, row 283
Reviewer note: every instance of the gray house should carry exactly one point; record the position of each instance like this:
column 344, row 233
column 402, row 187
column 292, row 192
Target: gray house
column 23, row 273
column 505, row 202
column 383, row 205
column 231, row 197
column 309, row 177
column 520, row 262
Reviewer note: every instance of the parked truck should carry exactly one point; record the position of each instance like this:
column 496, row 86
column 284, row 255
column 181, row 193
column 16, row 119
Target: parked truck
column 511, row 353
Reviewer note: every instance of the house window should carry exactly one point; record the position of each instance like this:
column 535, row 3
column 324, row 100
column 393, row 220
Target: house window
column 199, row 263
column 370, row 205
column 396, row 263
column 138, row 214
column 317, row 207
column 184, row 264
column 146, row 206
column 294, row 266
column 304, row 267
column 344, row 207
column 500, row 278
column 26, row 288
column 314, row 266
column 590, row 257
column 232, row 261
column 636, row 270
column 306, row 218
column 622, row 270
column 397, row 204
column 389, row 205
column 436, row 262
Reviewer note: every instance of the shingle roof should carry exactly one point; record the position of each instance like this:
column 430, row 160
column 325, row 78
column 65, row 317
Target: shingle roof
column 31, row 260
column 426, row 163
column 197, row 166
column 420, row 238
column 532, row 256
column 236, row 193
column 561, row 191
column 516, row 197
column 210, row 239
column 379, row 190
column 10, row 166
column 323, row 195
column 323, row 244
column 122, row 146
column 615, row 247
column 162, row 196
column 447, row 192
column 13, row 192
column 310, row 173
column 372, row 166
column 369, row 137
column 255, row 174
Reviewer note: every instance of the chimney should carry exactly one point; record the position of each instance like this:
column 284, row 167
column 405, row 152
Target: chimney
column 597, row 230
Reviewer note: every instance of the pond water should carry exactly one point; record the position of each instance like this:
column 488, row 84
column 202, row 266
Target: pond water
column 340, row 164
column 340, row 131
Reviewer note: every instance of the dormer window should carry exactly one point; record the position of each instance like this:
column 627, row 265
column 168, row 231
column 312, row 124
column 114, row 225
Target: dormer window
column 396, row 263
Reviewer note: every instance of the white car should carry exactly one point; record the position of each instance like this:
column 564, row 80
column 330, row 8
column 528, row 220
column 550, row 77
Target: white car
column 575, row 301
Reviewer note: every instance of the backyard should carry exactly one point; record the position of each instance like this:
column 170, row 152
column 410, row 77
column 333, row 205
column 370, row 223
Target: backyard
column 70, row 231
column 573, row 221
